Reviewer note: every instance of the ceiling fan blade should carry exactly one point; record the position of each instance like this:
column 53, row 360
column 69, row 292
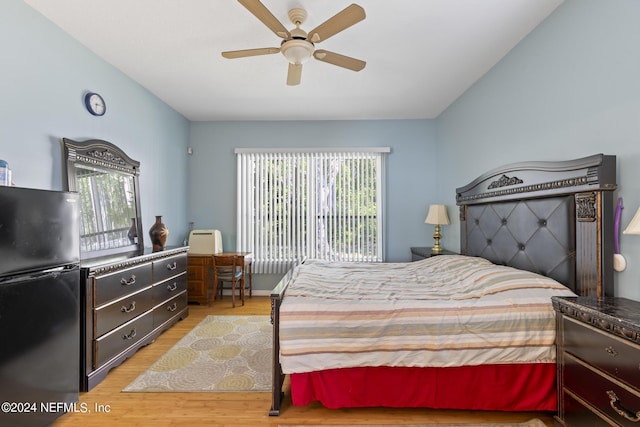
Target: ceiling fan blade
column 250, row 52
column 294, row 75
column 263, row 14
column 341, row 21
column 339, row 60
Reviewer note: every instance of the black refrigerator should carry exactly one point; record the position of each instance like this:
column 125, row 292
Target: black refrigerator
column 39, row 306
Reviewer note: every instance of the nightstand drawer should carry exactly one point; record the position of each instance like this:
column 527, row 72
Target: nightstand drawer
column 606, row 396
column 576, row 414
column 618, row 358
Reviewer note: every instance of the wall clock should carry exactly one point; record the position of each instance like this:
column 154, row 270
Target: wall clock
column 95, row 104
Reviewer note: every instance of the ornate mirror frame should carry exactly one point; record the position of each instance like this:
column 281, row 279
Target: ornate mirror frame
column 102, row 158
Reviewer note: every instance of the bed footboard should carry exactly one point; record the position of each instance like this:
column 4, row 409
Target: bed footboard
column 277, row 380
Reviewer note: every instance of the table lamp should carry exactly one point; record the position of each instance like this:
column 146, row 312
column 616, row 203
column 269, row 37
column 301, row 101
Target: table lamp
column 634, row 225
column 437, row 215
column 619, row 263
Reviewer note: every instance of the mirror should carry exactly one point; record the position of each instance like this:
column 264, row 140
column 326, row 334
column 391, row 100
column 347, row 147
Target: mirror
column 106, row 180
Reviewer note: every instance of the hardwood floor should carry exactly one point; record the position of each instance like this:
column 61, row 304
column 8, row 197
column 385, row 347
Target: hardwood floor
column 107, row 405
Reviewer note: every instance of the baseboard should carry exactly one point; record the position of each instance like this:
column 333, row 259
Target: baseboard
column 255, row 292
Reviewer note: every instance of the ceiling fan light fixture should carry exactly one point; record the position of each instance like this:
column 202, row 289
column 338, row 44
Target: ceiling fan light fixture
column 297, row 51
column 297, row 46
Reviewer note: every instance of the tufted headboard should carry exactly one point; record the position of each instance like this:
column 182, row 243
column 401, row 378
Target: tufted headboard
column 552, row 218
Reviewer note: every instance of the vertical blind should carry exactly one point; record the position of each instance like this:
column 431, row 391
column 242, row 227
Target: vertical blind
column 310, row 204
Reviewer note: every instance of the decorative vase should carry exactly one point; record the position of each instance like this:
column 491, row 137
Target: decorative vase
column 132, row 234
column 158, row 233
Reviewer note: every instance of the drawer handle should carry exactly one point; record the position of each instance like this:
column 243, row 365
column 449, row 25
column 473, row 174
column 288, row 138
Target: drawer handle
column 172, row 266
column 131, row 335
column 614, row 402
column 172, row 286
column 129, row 309
column 173, row 307
column 131, row 281
column 612, row 351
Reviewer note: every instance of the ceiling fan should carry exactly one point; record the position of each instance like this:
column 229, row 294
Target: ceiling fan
column 297, row 45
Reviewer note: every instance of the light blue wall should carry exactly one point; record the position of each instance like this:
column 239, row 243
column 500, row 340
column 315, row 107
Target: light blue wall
column 411, row 168
column 44, row 76
column 568, row 90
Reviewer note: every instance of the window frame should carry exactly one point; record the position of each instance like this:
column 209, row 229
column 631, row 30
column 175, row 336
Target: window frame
column 246, row 237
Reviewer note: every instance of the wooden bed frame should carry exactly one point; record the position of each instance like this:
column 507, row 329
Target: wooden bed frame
column 552, row 218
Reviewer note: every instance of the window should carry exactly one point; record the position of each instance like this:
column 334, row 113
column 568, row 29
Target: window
column 315, row 204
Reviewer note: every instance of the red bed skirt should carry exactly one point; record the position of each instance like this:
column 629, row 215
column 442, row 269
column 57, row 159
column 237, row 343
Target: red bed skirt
column 529, row 387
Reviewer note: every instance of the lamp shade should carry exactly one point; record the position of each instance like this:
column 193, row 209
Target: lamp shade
column 437, row 215
column 634, row 225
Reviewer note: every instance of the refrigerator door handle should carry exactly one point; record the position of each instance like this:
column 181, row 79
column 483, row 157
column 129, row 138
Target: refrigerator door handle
column 44, row 274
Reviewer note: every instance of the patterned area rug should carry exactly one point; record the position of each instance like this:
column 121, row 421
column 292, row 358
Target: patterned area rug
column 531, row 423
column 222, row 353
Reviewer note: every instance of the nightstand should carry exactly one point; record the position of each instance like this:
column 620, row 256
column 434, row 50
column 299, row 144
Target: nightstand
column 418, row 253
column 598, row 350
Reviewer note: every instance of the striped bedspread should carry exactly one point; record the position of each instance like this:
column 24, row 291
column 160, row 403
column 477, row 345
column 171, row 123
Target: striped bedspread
column 449, row 310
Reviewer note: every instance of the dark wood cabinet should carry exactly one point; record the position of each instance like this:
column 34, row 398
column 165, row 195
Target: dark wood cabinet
column 127, row 302
column 418, row 253
column 598, row 357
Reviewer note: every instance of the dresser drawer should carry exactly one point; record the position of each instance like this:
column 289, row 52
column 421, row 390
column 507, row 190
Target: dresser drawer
column 168, row 267
column 598, row 391
column 169, row 288
column 114, row 314
column 198, row 260
column 196, row 271
column 116, row 285
column 115, row 342
column 168, row 309
column 618, row 358
column 197, row 266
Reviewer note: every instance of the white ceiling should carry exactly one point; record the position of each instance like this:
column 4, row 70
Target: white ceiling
column 421, row 54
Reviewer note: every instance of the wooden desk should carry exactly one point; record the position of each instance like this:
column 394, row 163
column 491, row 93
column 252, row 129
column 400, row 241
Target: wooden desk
column 199, row 274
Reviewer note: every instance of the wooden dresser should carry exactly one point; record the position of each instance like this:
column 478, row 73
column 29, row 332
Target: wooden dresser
column 128, row 301
column 598, row 349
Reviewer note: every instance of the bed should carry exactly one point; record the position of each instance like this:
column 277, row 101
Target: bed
column 423, row 334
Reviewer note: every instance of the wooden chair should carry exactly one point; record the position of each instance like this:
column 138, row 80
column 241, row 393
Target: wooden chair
column 227, row 269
